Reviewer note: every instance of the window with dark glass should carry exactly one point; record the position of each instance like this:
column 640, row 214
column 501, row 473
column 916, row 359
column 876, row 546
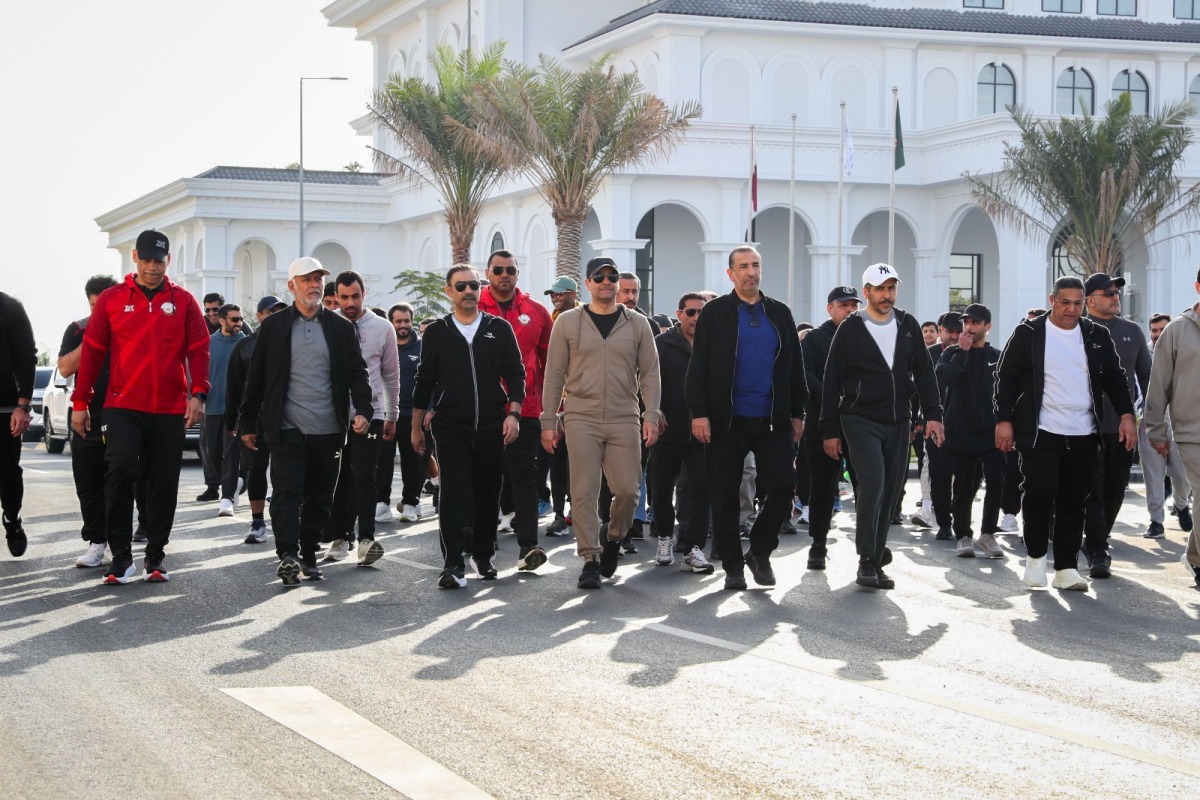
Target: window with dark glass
column 1187, row 9
column 1063, row 6
column 1119, row 8
column 1194, row 92
column 497, row 241
column 995, row 89
column 1074, row 93
column 1139, row 90
column 983, row 3
column 964, row 280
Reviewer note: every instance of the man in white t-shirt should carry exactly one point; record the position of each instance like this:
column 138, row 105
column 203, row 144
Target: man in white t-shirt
column 1052, row 376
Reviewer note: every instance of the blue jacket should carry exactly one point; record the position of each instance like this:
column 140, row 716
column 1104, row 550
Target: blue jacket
column 220, row 347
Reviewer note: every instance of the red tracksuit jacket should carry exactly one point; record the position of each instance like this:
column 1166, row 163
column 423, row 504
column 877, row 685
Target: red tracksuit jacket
column 531, row 322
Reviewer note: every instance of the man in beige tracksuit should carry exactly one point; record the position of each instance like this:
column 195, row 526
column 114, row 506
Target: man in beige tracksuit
column 602, row 354
column 1174, row 387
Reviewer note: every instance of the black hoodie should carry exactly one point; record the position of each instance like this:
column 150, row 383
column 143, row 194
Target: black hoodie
column 674, row 352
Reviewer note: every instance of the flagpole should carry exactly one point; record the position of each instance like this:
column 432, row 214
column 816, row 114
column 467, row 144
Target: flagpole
column 840, row 269
column 892, row 192
column 792, row 218
column 753, row 189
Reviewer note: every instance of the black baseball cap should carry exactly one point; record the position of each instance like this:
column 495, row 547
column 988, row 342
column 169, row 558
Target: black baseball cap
column 844, row 293
column 1099, row 281
column 599, row 263
column 270, row 303
column 951, row 321
column 978, row 312
column 153, row 245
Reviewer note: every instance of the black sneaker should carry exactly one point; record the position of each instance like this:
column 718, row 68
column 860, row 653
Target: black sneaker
column 531, row 558
column 210, row 494
column 1155, row 531
column 483, row 565
column 452, row 578
column 636, row 531
column 14, row 532
column 1185, row 520
column 1100, row 564
column 817, row 556
column 884, row 581
column 312, row 572
column 868, row 574
column 608, row 558
column 897, row 518
column 139, row 535
column 590, row 577
column 760, row 568
column 944, row 534
column 886, row 558
column 558, row 527
column 120, row 571
column 787, row 528
column 735, row 579
column 627, row 545
column 289, row 571
column 437, row 496
column 152, row 570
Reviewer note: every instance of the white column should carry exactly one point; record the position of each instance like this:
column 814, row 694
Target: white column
column 1024, row 282
column 622, row 251
column 930, row 293
column 826, row 274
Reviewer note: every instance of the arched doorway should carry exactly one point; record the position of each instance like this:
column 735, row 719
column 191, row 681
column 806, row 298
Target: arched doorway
column 974, row 260
column 254, row 261
column 333, row 257
column 672, row 262
column 872, row 234
column 771, row 233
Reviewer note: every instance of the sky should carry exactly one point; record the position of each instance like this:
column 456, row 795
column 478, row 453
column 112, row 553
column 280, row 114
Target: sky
column 114, row 99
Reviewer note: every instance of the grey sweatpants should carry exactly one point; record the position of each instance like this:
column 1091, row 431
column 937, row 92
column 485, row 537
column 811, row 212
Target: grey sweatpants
column 879, row 453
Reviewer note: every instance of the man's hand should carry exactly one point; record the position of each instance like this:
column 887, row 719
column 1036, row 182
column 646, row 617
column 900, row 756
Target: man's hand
column 360, row 424
column 1127, row 433
column 933, row 430
column 18, row 422
column 427, row 419
column 1004, row 437
column 512, row 429
column 833, row 448
column 195, row 412
column 701, row 430
column 549, row 441
column 1162, row 448
column 797, row 430
column 966, row 341
column 389, row 430
column 649, row 433
column 417, row 439
column 251, row 441
column 81, row 422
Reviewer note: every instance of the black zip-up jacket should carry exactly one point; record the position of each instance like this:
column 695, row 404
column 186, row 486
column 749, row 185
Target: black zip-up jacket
column 815, row 348
column 410, row 357
column 1020, row 378
column 858, row 381
column 709, row 384
column 674, row 353
column 18, row 353
column 266, row 384
column 474, row 381
column 235, row 375
column 966, row 378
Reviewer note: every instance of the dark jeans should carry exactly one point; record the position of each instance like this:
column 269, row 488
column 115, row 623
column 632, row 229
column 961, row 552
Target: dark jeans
column 355, row 495
column 1011, row 502
column 521, row 475
column 1109, row 481
column 304, row 473
column 879, row 452
column 12, row 481
column 1058, row 471
column 967, row 467
column 88, row 469
column 825, row 473
column 669, row 459
column 149, row 448
column 470, row 468
column 941, row 475
column 774, row 454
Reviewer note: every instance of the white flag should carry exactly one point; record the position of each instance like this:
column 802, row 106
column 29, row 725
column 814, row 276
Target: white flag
column 847, row 147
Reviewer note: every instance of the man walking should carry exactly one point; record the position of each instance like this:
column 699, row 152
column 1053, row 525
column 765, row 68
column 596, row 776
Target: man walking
column 1103, row 299
column 1155, row 469
column 306, row 372
column 153, row 335
column 212, row 312
column 471, row 362
column 603, row 355
column 221, row 451
column 356, row 488
column 412, row 466
column 876, row 359
column 746, row 391
column 18, row 366
column 1053, row 374
column 938, row 470
column 966, row 374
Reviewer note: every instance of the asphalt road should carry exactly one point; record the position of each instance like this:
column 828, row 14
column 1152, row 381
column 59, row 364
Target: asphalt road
column 961, row 682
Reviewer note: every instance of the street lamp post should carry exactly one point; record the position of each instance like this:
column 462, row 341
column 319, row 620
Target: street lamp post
column 302, row 80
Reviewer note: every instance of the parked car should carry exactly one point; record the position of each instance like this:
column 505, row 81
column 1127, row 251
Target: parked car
column 40, row 381
column 56, row 416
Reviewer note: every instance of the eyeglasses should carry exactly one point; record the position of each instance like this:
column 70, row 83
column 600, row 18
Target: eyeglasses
column 690, row 312
column 601, row 277
column 234, row 319
column 504, row 270
column 1111, row 293
column 462, row 286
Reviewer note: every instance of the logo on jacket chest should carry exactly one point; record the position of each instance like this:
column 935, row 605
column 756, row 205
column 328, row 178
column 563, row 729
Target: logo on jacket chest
column 168, row 309
column 523, row 319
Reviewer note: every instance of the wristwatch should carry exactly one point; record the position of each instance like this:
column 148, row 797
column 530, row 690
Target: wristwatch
column 26, row 407
column 515, row 415
column 201, row 396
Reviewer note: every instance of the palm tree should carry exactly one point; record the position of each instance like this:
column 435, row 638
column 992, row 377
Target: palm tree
column 421, row 118
column 1099, row 184
column 567, row 131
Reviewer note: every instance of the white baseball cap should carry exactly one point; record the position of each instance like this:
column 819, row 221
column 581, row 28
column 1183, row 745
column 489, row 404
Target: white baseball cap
column 305, row 266
column 879, row 274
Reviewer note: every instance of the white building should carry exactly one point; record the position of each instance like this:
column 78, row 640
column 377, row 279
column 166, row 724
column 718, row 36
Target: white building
column 955, row 64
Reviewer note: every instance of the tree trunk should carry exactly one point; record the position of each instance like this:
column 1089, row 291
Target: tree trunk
column 570, row 229
column 462, row 231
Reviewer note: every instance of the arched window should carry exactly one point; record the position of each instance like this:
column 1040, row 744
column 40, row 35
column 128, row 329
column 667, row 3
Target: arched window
column 1194, row 92
column 995, row 89
column 497, row 242
column 1075, row 93
column 1139, row 90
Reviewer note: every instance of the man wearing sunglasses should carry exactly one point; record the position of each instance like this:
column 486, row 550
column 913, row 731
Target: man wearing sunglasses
column 212, row 311
column 602, row 354
column 531, row 323
column 471, row 361
column 1103, row 300
column 221, row 452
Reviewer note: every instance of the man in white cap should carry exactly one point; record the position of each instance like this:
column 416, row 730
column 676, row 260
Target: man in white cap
column 306, row 370
column 876, row 358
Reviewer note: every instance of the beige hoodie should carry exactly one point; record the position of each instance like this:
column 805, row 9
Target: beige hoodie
column 601, row 376
column 1173, row 400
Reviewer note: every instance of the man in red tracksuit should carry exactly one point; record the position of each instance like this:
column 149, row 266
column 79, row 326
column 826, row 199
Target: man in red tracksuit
column 531, row 322
column 153, row 333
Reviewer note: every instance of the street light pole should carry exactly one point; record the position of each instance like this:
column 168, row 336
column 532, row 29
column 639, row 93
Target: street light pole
column 302, row 80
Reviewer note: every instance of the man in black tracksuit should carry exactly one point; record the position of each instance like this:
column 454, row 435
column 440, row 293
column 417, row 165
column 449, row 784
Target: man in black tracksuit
column 825, row 471
column 877, row 360
column 412, row 466
column 471, row 363
column 18, row 365
column 940, row 465
column 966, row 375
column 306, row 371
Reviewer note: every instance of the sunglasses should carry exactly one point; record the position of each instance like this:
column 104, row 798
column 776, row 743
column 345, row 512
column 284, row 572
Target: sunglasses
column 690, row 312
column 212, row 310
column 601, row 277
column 1111, row 293
column 462, row 286
column 233, row 319
column 504, row 270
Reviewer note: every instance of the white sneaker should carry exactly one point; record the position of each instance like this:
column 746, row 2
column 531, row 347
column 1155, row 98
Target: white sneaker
column 966, row 547
column 505, row 525
column 1008, row 523
column 226, row 508
column 97, row 555
column 804, row 516
column 666, row 552
column 409, row 513
column 696, row 562
column 986, row 544
column 383, row 513
column 1069, row 579
column 338, row 550
column 923, row 518
column 369, row 551
column 1035, row 572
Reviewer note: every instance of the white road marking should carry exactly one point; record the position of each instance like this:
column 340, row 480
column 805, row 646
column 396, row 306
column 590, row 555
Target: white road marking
column 406, row 562
column 331, row 725
column 1157, row 759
